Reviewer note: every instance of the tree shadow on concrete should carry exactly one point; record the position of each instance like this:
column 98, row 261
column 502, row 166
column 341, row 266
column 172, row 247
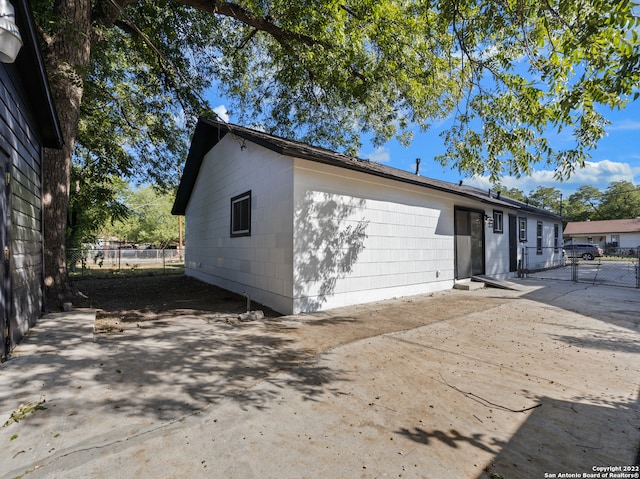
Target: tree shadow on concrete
column 327, row 244
column 609, row 340
column 148, row 378
column 559, row 436
column 451, row 438
column 570, row 436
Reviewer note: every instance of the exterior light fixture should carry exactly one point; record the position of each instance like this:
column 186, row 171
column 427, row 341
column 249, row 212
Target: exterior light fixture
column 488, row 220
column 10, row 40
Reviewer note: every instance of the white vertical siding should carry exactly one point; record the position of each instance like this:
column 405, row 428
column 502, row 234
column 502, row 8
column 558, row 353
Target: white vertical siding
column 359, row 238
column 260, row 264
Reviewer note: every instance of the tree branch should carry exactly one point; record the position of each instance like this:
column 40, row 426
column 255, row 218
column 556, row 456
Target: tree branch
column 233, row 10
column 107, row 12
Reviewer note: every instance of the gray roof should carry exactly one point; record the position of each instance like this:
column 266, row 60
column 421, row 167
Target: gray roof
column 209, row 132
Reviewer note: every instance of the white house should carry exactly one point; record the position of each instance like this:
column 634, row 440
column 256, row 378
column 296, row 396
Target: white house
column 301, row 228
column 617, row 235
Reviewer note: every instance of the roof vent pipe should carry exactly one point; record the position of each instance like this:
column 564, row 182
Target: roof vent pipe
column 10, row 40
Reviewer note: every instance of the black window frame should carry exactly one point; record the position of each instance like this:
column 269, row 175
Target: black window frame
column 498, row 221
column 539, row 233
column 243, row 229
column 522, row 232
column 556, row 237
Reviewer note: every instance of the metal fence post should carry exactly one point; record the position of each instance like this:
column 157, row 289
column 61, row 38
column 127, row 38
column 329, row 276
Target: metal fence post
column 638, row 267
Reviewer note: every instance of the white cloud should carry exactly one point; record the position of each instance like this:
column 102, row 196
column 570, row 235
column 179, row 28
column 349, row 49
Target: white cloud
column 222, row 112
column 379, row 155
column 595, row 173
column 625, row 125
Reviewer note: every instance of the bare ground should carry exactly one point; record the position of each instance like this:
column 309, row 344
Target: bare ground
column 124, row 302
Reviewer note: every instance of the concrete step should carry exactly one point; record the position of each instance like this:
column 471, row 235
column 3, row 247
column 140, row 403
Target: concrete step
column 470, row 286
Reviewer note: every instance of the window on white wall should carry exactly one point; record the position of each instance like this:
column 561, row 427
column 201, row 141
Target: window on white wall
column 615, row 240
column 539, row 237
column 497, row 221
column 241, row 215
column 556, row 236
column 522, row 229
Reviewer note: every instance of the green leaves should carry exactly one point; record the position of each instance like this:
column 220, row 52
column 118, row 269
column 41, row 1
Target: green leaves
column 508, row 75
column 149, row 218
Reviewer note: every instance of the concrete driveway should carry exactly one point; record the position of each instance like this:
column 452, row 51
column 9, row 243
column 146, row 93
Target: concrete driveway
column 460, row 384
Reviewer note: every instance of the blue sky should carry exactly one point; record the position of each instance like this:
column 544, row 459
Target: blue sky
column 616, row 158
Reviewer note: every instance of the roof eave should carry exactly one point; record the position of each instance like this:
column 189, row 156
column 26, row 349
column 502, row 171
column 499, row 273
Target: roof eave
column 209, row 132
column 202, row 141
column 30, row 65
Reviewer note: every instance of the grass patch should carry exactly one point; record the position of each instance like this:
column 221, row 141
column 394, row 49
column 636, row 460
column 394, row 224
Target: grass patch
column 127, row 271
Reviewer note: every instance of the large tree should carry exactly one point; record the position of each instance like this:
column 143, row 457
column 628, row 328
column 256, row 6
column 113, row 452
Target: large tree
column 149, row 220
column 547, row 198
column 584, row 204
column 128, row 79
column 621, row 200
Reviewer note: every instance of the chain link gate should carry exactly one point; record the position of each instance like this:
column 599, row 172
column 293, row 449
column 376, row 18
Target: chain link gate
column 620, row 270
column 610, row 270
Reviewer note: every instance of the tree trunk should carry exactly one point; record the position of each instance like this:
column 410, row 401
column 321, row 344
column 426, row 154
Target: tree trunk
column 66, row 56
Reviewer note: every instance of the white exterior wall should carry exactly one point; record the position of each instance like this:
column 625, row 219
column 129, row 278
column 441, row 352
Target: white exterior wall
column 497, row 246
column 260, row 264
column 550, row 255
column 324, row 237
column 360, row 238
column 628, row 240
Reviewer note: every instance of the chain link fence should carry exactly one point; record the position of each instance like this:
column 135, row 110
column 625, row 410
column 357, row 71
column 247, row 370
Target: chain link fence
column 622, row 269
column 85, row 262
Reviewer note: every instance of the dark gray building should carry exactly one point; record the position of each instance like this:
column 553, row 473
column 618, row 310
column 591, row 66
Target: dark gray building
column 28, row 123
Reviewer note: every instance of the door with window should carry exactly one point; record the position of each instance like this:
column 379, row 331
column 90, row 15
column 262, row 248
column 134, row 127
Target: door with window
column 469, row 242
column 513, row 243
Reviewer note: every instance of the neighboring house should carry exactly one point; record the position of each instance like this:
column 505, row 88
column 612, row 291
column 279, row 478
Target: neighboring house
column 28, row 122
column 301, row 228
column 614, row 235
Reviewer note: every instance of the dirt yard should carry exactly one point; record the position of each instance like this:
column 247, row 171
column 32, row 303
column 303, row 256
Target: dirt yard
column 124, row 302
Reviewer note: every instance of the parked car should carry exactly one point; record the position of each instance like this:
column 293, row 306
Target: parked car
column 586, row 251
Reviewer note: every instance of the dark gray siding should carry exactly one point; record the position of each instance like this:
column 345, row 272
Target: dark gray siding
column 22, row 144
